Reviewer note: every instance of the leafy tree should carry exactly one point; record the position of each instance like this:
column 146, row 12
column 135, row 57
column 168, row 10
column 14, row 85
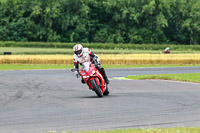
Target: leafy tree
column 115, row 21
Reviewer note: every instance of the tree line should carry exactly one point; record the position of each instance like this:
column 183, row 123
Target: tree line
column 101, row 21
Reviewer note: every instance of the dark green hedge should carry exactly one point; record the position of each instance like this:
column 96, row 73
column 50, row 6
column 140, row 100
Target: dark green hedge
column 101, row 46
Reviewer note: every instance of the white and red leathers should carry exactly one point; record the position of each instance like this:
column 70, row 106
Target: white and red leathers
column 86, row 57
column 82, row 55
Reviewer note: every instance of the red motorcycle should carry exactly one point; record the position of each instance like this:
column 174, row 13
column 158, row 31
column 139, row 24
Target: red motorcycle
column 93, row 78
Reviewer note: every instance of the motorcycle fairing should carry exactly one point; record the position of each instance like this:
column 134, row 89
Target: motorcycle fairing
column 87, row 70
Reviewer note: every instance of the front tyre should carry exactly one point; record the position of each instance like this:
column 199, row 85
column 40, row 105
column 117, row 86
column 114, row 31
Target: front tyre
column 96, row 88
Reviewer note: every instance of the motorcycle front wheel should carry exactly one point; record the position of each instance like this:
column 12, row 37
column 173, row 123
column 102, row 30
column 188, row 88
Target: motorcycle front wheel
column 96, row 88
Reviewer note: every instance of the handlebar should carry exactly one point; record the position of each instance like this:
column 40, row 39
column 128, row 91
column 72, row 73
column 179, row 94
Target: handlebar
column 78, row 70
column 74, row 69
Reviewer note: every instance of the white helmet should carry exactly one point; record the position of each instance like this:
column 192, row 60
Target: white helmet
column 78, row 50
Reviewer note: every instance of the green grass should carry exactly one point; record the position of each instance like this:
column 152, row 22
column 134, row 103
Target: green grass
column 18, row 50
column 188, row 77
column 176, row 47
column 21, row 50
column 35, row 67
column 32, row 67
column 143, row 66
column 161, row 130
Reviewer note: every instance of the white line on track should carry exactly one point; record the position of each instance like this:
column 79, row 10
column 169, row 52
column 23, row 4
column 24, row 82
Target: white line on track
column 183, row 82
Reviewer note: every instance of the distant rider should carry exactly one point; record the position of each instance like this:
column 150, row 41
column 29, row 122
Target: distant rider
column 82, row 55
column 167, row 50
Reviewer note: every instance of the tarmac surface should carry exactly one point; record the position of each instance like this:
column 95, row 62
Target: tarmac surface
column 34, row 101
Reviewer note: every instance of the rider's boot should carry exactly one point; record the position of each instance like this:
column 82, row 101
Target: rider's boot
column 106, row 79
column 82, row 81
column 104, row 75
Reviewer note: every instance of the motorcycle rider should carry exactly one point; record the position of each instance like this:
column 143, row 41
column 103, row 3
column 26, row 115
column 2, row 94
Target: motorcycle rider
column 82, row 55
column 167, row 50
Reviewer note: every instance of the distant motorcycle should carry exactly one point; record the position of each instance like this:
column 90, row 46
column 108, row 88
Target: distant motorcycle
column 93, row 78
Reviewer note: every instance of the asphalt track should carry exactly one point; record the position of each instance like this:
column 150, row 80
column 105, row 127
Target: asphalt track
column 34, row 101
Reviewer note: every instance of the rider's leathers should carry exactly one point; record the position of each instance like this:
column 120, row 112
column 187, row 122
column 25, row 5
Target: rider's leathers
column 86, row 57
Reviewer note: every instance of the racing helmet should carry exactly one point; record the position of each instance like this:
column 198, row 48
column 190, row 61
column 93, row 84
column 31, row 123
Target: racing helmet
column 78, row 50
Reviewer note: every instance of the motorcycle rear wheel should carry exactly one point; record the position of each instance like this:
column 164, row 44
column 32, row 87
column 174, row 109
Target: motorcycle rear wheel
column 96, row 88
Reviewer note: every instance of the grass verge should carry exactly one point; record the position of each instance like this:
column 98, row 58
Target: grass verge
column 187, row 77
column 34, row 51
column 32, row 67
column 36, row 66
column 161, row 130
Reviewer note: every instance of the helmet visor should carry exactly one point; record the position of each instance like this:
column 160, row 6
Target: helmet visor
column 78, row 52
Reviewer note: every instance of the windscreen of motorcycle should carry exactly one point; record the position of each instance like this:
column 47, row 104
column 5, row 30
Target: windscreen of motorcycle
column 86, row 66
